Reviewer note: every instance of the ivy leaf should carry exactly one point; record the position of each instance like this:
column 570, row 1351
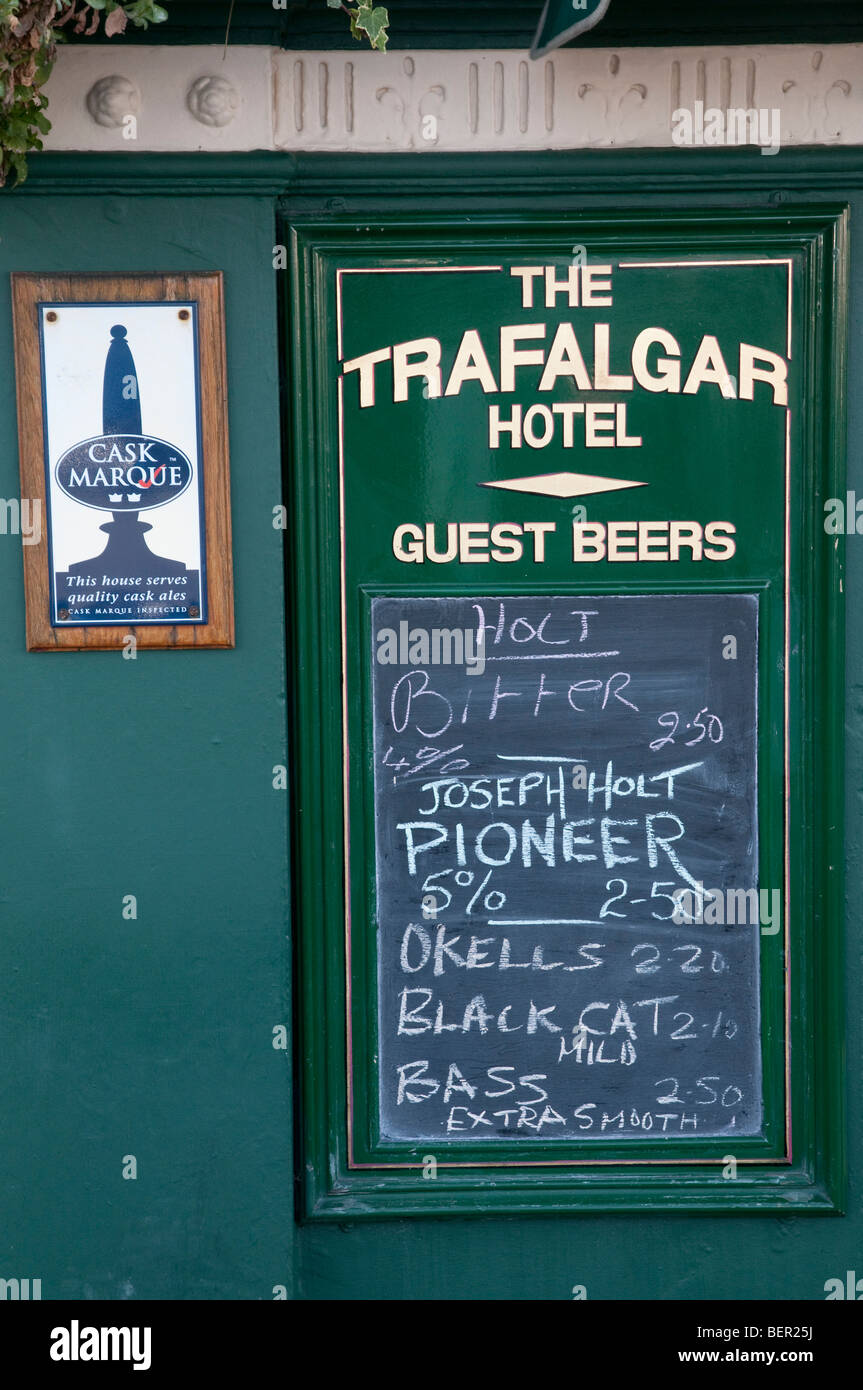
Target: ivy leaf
column 22, row 25
column 115, row 22
column 372, row 20
column 18, row 164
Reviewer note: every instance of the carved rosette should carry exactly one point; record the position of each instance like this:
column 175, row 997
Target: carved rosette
column 112, row 99
column 214, row 101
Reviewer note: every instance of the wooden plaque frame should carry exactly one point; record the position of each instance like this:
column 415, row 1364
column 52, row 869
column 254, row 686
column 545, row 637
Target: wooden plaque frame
column 206, row 289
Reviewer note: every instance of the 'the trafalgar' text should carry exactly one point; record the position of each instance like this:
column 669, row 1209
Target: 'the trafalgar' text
column 655, row 364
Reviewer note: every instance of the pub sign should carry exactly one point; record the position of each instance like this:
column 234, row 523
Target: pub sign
column 134, row 495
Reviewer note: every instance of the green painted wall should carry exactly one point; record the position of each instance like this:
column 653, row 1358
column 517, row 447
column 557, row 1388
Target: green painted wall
column 152, row 777
column 153, row 1037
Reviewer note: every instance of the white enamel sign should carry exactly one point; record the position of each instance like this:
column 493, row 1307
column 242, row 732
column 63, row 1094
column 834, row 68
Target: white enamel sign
column 121, row 402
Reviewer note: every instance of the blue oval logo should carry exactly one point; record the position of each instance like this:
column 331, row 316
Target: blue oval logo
column 123, row 472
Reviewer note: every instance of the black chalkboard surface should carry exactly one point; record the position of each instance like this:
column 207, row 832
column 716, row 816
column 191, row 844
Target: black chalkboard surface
column 549, row 798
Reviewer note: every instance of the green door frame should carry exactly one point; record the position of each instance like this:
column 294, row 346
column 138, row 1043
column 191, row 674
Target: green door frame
column 335, row 1184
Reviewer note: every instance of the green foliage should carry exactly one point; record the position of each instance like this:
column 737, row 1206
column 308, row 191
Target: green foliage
column 366, row 19
column 29, row 33
column 371, row 20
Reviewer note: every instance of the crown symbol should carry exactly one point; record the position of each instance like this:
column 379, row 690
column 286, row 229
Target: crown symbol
column 115, row 496
column 131, row 497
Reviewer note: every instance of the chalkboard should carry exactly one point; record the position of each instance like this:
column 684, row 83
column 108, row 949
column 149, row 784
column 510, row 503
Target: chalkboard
column 565, row 814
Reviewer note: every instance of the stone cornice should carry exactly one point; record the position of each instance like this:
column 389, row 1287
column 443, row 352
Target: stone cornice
column 187, row 99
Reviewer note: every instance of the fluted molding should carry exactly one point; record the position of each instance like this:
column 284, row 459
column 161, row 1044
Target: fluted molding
column 189, row 98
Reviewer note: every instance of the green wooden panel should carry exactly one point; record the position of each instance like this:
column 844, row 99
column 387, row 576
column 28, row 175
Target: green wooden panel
column 491, row 24
column 350, row 1170
column 152, row 1036
column 80, row 1065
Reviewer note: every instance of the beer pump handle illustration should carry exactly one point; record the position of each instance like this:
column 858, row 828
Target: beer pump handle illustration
column 121, row 400
column 124, row 471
